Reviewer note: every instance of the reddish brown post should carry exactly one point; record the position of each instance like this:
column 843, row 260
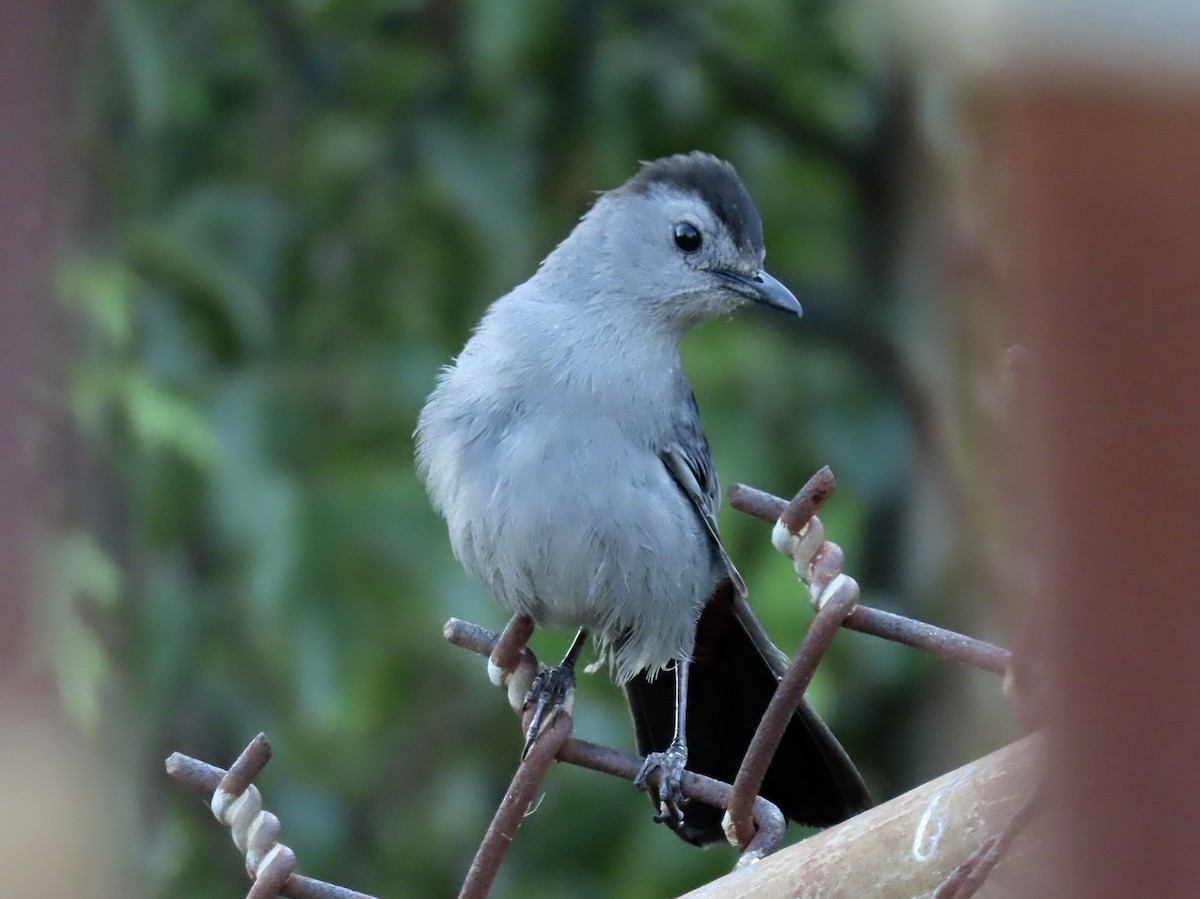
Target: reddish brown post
column 1103, row 178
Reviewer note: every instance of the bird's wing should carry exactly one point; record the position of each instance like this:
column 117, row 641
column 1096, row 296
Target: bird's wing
column 689, row 463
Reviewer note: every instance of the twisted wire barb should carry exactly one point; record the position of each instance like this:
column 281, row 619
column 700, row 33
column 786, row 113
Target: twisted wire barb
column 817, row 560
column 512, row 666
column 237, row 803
column 819, row 564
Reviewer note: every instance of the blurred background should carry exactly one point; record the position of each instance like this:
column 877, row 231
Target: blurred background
column 255, row 232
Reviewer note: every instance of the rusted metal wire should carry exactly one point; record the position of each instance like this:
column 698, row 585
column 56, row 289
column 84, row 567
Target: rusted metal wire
column 928, row 637
column 831, row 613
column 512, row 666
column 513, row 807
column 753, row 770
column 808, row 500
column 888, row 625
column 237, row 803
column 768, row 822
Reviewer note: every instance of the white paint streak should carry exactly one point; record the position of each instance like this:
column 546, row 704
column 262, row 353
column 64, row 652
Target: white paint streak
column 925, row 843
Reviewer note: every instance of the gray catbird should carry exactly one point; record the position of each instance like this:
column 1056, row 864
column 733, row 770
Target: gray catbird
column 564, row 449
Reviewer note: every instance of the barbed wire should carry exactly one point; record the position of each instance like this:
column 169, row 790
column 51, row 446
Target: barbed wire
column 237, row 804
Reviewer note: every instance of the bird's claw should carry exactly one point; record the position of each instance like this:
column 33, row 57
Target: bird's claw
column 670, row 765
column 552, row 689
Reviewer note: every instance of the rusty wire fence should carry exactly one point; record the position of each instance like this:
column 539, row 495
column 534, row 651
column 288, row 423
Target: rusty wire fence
column 951, row 869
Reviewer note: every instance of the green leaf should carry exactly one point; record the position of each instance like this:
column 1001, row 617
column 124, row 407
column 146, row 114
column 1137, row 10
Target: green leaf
column 75, row 571
column 160, row 419
column 103, row 293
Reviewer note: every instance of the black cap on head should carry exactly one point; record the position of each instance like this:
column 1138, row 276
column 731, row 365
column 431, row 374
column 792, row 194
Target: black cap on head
column 714, row 181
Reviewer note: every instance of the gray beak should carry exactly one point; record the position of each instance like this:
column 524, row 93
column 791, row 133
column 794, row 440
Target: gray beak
column 762, row 288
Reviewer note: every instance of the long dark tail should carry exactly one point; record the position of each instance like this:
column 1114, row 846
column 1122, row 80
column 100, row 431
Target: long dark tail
column 735, row 669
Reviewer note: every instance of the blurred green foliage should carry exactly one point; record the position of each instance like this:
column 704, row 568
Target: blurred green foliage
column 297, row 209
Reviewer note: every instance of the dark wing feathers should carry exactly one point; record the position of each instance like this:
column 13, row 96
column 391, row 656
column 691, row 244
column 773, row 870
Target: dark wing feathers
column 690, row 464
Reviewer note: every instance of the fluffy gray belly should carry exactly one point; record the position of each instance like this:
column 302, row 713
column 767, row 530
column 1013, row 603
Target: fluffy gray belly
column 587, row 532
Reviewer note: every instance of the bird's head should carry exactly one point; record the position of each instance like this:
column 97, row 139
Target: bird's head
column 681, row 240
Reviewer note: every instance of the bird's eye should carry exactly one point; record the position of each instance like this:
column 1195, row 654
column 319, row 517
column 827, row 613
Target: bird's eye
column 687, row 237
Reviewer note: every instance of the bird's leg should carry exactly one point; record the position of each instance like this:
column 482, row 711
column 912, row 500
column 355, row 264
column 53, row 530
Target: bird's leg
column 671, row 762
column 553, row 688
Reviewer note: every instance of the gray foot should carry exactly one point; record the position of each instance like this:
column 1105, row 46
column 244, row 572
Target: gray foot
column 669, row 765
column 551, row 691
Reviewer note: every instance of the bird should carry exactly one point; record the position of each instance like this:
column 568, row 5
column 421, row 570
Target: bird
column 564, row 449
